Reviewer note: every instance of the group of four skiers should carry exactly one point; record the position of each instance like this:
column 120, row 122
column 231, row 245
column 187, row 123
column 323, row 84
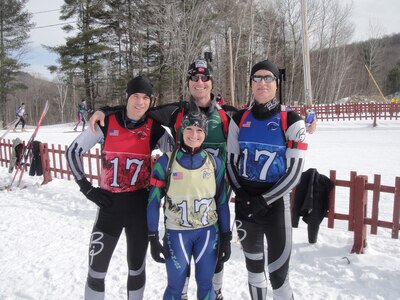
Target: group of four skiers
column 260, row 150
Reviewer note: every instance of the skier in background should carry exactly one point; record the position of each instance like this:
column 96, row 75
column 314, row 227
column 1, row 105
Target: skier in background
column 19, row 114
column 80, row 115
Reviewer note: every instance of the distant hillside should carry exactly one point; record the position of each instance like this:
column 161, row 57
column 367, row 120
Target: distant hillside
column 37, row 91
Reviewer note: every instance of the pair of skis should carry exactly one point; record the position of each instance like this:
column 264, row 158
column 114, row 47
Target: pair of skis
column 27, row 151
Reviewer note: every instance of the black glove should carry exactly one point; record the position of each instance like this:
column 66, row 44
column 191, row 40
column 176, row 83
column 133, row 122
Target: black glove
column 250, row 205
column 224, row 251
column 100, row 197
column 156, row 249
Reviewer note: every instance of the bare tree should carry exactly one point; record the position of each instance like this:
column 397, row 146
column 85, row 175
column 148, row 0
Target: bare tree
column 332, row 32
column 290, row 12
column 61, row 100
column 372, row 54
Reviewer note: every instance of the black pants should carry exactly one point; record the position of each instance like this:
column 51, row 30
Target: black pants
column 128, row 212
column 81, row 118
column 22, row 121
column 277, row 228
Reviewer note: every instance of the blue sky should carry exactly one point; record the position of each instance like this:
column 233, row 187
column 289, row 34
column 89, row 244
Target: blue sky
column 382, row 13
column 45, row 14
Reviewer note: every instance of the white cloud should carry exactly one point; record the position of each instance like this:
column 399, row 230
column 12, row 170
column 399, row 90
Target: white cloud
column 45, row 14
column 384, row 14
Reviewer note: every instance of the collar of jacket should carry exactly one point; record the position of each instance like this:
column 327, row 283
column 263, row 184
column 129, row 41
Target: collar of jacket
column 206, row 110
column 263, row 111
column 127, row 123
column 189, row 150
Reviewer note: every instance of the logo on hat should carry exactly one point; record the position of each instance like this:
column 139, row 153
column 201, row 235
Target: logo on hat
column 199, row 66
column 200, row 63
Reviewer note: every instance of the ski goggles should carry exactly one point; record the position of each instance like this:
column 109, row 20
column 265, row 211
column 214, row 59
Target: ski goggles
column 203, row 78
column 267, row 78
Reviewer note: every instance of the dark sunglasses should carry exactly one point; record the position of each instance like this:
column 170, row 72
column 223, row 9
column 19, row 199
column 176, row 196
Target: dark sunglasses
column 267, row 78
column 203, row 78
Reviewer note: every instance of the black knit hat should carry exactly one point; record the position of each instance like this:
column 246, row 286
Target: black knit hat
column 139, row 84
column 197, row 119
column 265, row 65
column 200, row 66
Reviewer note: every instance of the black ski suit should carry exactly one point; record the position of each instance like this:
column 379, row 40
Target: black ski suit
column 120, row 139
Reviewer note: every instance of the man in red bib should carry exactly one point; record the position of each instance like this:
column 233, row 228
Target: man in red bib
column 127, row 140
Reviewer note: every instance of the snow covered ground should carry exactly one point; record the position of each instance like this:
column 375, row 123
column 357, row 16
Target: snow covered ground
column 45, row 230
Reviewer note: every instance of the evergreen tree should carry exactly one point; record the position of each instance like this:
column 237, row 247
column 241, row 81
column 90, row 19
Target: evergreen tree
column 393, row 80
column 14, row 28
column 84, row 52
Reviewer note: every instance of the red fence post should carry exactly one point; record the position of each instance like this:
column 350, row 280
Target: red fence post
column 332, row 199
column 360, row 212
column 375, row 204
column 60, row 161
column 396, row 210
column 67, row 171
column 44, row 155
column 353, row 176
column 2, row 146
column 54, row 160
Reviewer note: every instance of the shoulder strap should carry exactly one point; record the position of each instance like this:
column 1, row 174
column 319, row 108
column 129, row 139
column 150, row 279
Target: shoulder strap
column 178, row 123
column 284, row 118
column 244, row 116
column 169, row 167
column 224, row 119
column 149, row 122
column 212, row 159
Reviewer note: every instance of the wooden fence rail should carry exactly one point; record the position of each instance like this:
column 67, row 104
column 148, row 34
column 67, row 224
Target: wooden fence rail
column 353, row 111
column 357, row 216
column 57, row 160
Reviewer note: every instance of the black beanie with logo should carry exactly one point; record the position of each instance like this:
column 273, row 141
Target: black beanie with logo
column 200, row 66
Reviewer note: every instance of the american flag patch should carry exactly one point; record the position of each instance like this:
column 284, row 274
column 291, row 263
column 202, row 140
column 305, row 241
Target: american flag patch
column 177, row 175
column 114, row 132
column 247, row 124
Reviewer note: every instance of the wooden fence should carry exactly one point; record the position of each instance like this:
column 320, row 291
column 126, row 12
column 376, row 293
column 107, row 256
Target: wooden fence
column 353, row 111
column 357, row 216
column 57, row 161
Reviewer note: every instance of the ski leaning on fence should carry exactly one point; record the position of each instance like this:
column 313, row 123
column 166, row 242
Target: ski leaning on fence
column 9, row 127
column 27, row 151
